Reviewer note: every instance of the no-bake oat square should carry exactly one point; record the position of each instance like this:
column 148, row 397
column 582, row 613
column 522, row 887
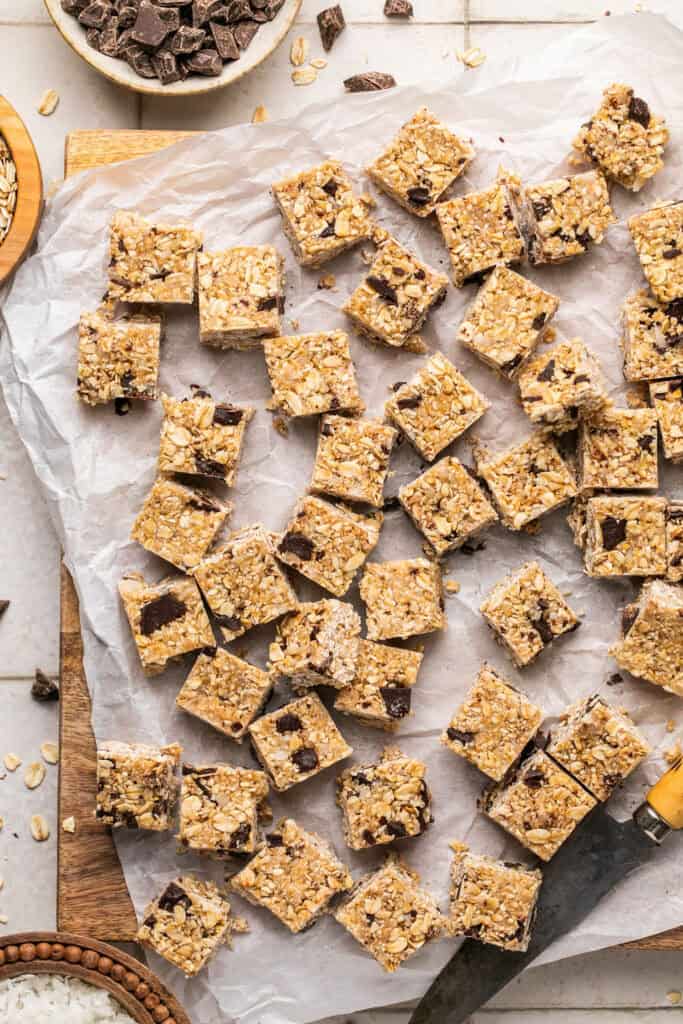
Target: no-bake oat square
column 435, row 407
column 297, row 742
column 384, row 801
column 321, row 215
column 447, row 505
column 202, row 437
column 624, row 138
column 563, row 217
column 527, row 612
column 396, row 296
column 241, row 295
column 402, row 598
column 506, row 320
column 243, row 583
column 492, row 901
column 117, row 358
column 296, row 876
column 151, row 261
column 652, row 337
column 328, row 543
column 188, row 922
column 380, row 693
column 421, row 163
column 480, row 230
column 651, row 644
column 561, row 383
column 597, row 744
column 219, row 808
column 539, row 804
column 352, row 459
column 618, row 450
column 167, row 619
column 225, row 691
column 625, row 536
column 667, row 401
column 526, row 481
column 391, row 915
column 179, row 523
column 312, row 374
column 317, row 645
column 674, row 541
column 136, row 785
column 493, row 725
column 658, row 237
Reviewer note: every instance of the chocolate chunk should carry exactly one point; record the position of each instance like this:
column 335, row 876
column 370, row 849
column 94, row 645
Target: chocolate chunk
column 271, row 8
column 206, row 63
column 398, row 9
column 289, row 722
column 240, row 836
column 419, row 274
column 109, row 37
column 209, row 467
column 674, row 309
column 543, row 629
column 645, row 441
column 227, row 416
column 396, row 829
column 92, row 37
column 534, row 779
column 361, row 779
column 306, row 759
column 174, row 896
column 628, row 617
column 460, row 735
column 166, row 66
column 383, row 289
column 368, row 838
column 140, row 62
column 396, row 700
column 327, row 231
column 539, row 320
column 548, row 372
column 127, row 16
column 268, row 302
column 671, row 254
column 615, row 679
column 96, row 14
column 369, row 81
column 613, row 532
column 419, row 195
column 541, row 208
column 331, row 187
column 43, row 688
column 274, row 839
column 409, row 402
column 584, row 238
column 512, row 364
column 231, row 622
column 73, row 6
column 150, row 28
column 233, row 11
column 331, row 24
column 639, row 111
column 160, row 612
column 4, row 605
column 297, row 544
column 187, row 40
column 202, row 10
column 244, row 33
column 225, row 41
column 398, row 384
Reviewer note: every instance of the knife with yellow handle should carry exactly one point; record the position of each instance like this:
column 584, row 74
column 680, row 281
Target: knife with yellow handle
column 599, row 855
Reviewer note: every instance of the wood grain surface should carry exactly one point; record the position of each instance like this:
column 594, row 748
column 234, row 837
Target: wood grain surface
column 92, row 895
column 29, row 191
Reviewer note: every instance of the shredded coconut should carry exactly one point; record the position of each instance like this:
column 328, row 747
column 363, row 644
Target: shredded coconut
column 53, row 999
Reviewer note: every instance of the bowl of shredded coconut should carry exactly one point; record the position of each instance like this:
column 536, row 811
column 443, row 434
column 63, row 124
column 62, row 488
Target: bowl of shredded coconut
column 48, row 998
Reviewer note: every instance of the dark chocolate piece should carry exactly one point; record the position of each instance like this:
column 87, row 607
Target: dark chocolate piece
column 160, row 612
column 396, row 700
column 613, row 532
column 369, row 81
column 151, row 26
column 289, row 722
column 297, row 544
column 227, row 415
column 306, row 759
column 187, row 40
column 96, row 14
column 244, row 33
column 383, row 289
column 43, row 688
column 4, row 605
column 174, row 896
column 639, row 111
column 460, row 735
column 398, row 9
column 331, row 24
column 206, row 63
column 224, row 40
column 166, row 66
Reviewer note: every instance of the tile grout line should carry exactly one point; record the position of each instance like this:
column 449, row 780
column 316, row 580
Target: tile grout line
column 466, row 24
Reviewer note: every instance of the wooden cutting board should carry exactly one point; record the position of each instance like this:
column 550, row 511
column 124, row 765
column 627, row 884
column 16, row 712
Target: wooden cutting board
column 92, row 898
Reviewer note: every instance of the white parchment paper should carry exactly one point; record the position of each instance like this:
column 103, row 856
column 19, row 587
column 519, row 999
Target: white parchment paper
column 96, row 468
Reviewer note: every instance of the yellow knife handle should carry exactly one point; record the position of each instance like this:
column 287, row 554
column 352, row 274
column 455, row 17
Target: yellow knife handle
column 666, row 796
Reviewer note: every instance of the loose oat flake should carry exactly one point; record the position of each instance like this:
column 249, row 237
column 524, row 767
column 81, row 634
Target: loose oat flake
column 69, row 824
column 50, row 752
column 34, row 775
column 260, row 115
column 471, row 58
column 304, row 76
column 12, row 762
column 48, row 102
column 39, row 828
column 318, row 63
column 299, row 51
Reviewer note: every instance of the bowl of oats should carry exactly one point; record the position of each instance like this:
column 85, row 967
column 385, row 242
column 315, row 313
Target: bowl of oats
column 21, row 190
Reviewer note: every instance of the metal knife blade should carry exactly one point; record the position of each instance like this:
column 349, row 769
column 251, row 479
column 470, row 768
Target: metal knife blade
column 590, row 864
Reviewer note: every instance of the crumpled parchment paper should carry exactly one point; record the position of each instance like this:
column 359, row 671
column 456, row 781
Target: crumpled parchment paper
column 96, row 468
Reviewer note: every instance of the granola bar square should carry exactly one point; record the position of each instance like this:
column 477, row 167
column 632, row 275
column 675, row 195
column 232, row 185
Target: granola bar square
column 391, row 915
column 117, row 358
column 297, row 742
column 447, row 505
column 396, row 296
column 295, row 876
column 667, row 400
column 167, row 619
column 435, row 407
column 618, row 449
column 202, row 437
column 150, row 261
column 658, row 237
column 243, row 584
column 527, row 612
column 241, row 295
column 321, row 215
column 506, row 320
column 492, row 901
column 624, row 138
column 597, row 744
column 384, row 801
column 561, row 383
column 179, row 523
column 651, row 643
column 421, row 163
column 136, row 785
column 527, row 481
column 225, row 691
column 652, row 337
column 352, row 459
column 674, row 541
column 480, row 230
column 539, row 804
column 219, row 808
column 493, row 725
column 312, row 374
column 402, row 599
column 625, row 536
column 317, row 645
column 328, row 543
column 380, row 693
column 563, row 217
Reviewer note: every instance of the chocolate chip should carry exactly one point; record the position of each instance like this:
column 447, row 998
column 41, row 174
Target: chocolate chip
column 43, row 688
column 244, row 33
column 398, row 384
column 121, row 406
column 615, row 679
column 331, row 187
column 370, row 81
column 187, row 40
column 224, row 41
column 95, row 14
column 613, row 532
column 534, row 778
column 419, row 195
column 543, row 629
column 396, row 829
column 240, row 836
column 269, row 302
column 419, row 274
column 306, row 759
column 645, row 441
column 209, row 467
column 398, row 9
column 674, row 309
column 160, row 612
column 166, row 67
column 4, row 605
column 639, row 111
column 511, row 365
column 327, row 231
column 227, row 416
column 383, row 289
column 461, row 735
column 370, row 840
column 361, row 779
column 288, row 722
column 206, row 63
column 541, row 208
column 539, row 321
column 671, row 254
column 396, row 700
column 174, row 896
column 409, row 402
column 584, row 238
column 274, row 839
column 231, row 622
column 331, row 24
column 548, row 371
column 297, row 544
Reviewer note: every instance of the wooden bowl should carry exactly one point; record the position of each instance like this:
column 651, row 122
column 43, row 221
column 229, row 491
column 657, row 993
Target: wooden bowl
column 138, row 991
column 269, row 36
column 29, row 192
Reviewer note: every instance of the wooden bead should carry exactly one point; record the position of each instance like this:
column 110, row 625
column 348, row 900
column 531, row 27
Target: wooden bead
column 141, row 991
column 90, row 959
column 104, row 964
column 44, row 950
column 72, row 954
column 12, row 954
column 118, row 972
column 2, row 957
column 27, row 951
column 152, row 1001
column 57, row 951
column 160, row 1014
column 170, row 1020
column 130, row 981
